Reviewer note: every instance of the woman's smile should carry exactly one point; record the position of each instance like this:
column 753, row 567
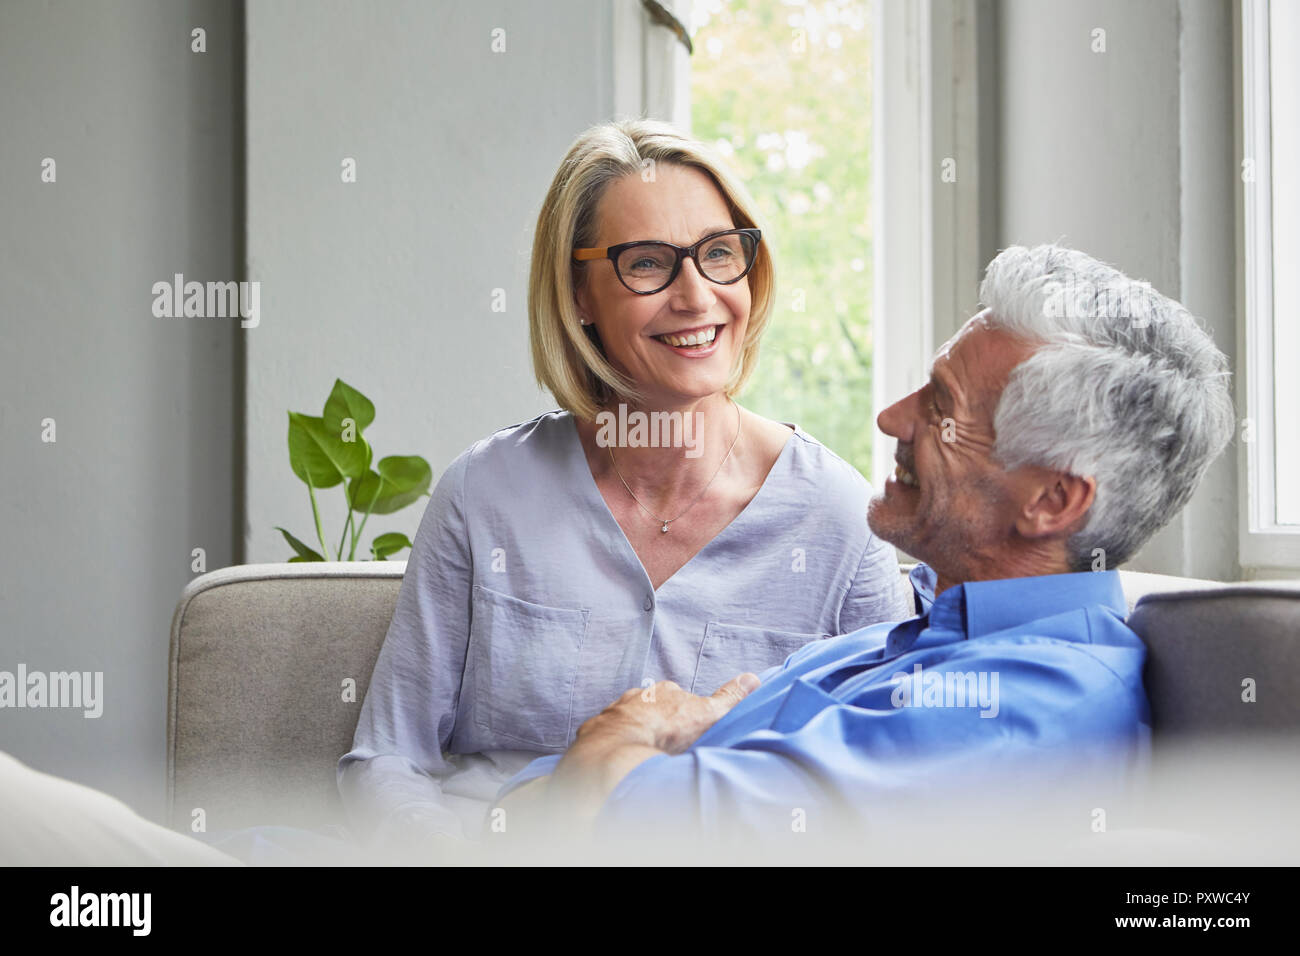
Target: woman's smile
column 697, row 342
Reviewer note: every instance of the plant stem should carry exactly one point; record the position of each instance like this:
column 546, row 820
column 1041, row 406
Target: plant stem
column 346, row 525
column 364, row 519
column 356, row 533
column 315, row 513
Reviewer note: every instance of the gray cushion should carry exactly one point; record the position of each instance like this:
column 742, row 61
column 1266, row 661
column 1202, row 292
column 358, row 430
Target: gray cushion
column 256, row 717
column 1202, row 644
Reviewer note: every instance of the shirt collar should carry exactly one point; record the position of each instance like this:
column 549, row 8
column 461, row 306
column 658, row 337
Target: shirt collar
column 976, row 608
column 940, row 620
column 922, row 578
column 999, row 605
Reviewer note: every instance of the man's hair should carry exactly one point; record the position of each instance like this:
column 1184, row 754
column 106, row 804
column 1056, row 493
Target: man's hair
column 1126, row 387
column 568, row 357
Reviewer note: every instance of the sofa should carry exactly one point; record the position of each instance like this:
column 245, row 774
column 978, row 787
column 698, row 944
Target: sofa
column 269, row 665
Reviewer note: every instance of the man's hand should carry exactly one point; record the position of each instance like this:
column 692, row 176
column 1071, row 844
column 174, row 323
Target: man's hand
column 664, row 716
column 643, row 723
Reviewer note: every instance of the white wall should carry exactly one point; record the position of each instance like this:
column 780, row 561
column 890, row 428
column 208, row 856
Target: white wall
column 99, row 526
column 387, row 283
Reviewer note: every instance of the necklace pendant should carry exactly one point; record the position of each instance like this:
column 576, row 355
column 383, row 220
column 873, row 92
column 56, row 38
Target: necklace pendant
column 664, row 528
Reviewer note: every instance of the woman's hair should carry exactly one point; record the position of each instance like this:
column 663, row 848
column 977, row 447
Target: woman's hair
column 1126, row 386
column 568, row 357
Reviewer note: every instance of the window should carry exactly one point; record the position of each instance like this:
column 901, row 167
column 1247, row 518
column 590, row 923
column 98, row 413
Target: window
column 783, row 91
column 1270, row 102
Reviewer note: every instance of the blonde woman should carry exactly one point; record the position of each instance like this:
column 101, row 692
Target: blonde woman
column 650, row 529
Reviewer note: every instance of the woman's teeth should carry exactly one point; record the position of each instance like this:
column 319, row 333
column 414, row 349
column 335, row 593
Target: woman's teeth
column 694, row 338
column 905, row 476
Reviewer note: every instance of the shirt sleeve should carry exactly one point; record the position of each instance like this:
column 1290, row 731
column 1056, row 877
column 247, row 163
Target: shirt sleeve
column 867, row 761
column 390, row 780
column 879, row 592
column 541, row 767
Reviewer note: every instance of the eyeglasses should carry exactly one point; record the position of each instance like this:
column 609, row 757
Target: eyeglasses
column 650, row 266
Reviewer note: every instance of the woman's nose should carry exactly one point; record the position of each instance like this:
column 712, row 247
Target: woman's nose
column 691, row 288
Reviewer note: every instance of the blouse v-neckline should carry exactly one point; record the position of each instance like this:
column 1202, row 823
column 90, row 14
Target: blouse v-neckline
column 580, row 455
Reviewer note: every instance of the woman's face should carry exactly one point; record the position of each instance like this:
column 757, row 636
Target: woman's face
column 681, row 205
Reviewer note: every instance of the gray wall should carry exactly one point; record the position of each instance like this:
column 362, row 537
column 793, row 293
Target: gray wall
column 1089, row 141
column 387, row 283
column 1127, row 154
column 169, row 429
column 99, row 525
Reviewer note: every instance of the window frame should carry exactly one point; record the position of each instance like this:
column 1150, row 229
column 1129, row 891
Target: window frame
column 931, row 238
column 1262, row 541
column 651, row 69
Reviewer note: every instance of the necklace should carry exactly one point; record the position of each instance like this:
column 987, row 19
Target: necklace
column 667, row 521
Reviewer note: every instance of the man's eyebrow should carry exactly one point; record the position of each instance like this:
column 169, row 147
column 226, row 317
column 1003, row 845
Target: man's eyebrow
column 941, row 385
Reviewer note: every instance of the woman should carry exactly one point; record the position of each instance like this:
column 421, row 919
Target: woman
column 652, row 529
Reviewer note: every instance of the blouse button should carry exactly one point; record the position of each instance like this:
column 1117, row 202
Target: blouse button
column 649, row 603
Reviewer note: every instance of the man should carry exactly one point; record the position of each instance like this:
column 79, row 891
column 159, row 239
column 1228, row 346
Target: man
column 1061, row 427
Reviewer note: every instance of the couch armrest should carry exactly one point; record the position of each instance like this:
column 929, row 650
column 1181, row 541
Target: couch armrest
column 258, row 711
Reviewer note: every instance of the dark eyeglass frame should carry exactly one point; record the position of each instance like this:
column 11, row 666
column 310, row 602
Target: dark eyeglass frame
column 613, row 252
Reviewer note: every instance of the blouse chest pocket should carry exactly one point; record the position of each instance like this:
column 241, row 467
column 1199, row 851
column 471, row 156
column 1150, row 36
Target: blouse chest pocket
column 731, row 649
column 525, row 658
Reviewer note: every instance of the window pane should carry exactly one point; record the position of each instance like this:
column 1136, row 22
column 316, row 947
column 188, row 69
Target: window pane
column 783, row 90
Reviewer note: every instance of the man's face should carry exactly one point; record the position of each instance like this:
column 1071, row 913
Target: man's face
column 949, row 503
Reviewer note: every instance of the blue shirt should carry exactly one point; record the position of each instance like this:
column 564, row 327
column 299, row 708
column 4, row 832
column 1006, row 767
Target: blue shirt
column 923, row 581
column 524, row 611
column 1024, row 678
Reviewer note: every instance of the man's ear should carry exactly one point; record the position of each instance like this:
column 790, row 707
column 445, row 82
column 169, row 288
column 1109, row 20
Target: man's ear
column 1058, row 504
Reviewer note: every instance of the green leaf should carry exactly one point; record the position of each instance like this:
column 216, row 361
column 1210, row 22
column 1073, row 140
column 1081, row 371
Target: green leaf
column 317, row 452
column 409, row 474
column 401, row 480
column 346, row 402
column 387, row 544
column 362, row 490
column 304, row 553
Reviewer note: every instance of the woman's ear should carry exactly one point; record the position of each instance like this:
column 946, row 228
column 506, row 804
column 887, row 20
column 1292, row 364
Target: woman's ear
column 580, row 303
